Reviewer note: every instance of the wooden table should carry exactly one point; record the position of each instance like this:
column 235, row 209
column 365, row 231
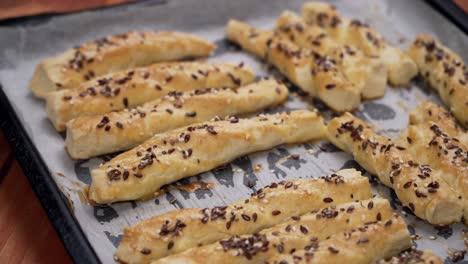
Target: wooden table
column 26, row 235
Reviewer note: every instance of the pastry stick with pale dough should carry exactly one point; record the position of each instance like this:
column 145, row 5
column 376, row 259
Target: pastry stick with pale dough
column 445, row 72
column 413, row 256
column 179, row 230
column 90, row 136
column 430, row 112
column 442, row 152
column 363, row 245
column 289, row 236
column 131, row 88
column 401, row 68
column 313, row 73
column 114, row 53
column 184, row 152
column 418, row 186
column 367, row 73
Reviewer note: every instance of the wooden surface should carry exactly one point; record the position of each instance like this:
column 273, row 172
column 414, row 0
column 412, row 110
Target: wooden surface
column 26, row 235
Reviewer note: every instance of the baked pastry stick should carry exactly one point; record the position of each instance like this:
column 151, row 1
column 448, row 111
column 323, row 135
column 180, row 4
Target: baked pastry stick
column 184, row 152
column 90, row 136
column 114, row 53
column 363, row 245
column 315, row 74
column 445, row 71
column 134, row 87
column 442, row 152
column 367, row 73
column 419, row 187
column 401, row 68
column 429, row 112
column 179, row 230
column 413, row 256
column 289, row 236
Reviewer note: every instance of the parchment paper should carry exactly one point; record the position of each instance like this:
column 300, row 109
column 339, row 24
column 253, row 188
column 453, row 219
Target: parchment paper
column 23, row 46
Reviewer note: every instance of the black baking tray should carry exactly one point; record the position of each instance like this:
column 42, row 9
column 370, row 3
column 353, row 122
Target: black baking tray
column 47, row 191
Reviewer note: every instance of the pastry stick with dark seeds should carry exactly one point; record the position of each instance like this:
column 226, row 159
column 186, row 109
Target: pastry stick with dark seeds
column 114, row 53
column 131, row 88
column 363, row 245
column 401, row 68
column 179, row 230
column 116, row 131
column 168, row 157
column 418, row 186
column 367, row 73
column 444, row 71
column 298, row 233
column 313, row 73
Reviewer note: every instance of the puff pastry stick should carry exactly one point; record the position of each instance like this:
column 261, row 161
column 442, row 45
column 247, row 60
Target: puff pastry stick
column 313, row 73
column 364, row 245
column 413, row 256
column 289, row 236
column 181, row 153
column 134, row 87
column 401, row 68
column 420, row 187
column 367, row 73
column 114, row 53
column 442, row 152
column 445, row 72
column 88, row 136
column 158, row 237
column 429, row 112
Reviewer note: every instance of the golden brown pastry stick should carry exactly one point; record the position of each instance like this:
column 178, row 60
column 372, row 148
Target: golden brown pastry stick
column 401, row 68
column 429, row 144
column 114, row 53
column 117, row 91
column 94, row 135
column 184, row 152
column 445, row 72
column 413, row 256
column 418, row 186
column 186, row 228
column 288, row 236
column 367, row 73
column 315, row 74
column 363, row 245
column 429, row 112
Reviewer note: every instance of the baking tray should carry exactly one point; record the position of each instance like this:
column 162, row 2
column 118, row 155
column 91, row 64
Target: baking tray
column 39, row 149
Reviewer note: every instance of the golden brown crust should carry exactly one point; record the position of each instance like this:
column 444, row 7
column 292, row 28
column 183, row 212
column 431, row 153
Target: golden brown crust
column 365, row 244
column 269, row 206
column 401, row 68
column 413, row 256
column 168, row 157
column 367, row 73
column 114, row 53
column 295, row 234
column 420, row 187
column 315, row 74
column 131, row 88
column 116, row 131
column 429, row 112
column 445, row 72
